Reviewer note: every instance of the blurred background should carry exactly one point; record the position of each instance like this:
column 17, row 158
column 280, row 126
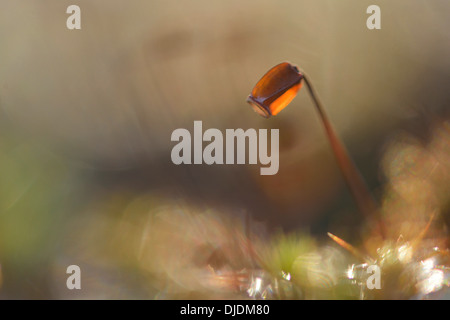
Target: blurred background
column 86, row 117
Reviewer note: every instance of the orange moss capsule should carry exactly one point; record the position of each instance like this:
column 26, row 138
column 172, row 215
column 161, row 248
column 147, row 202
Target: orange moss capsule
column 276, row 89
